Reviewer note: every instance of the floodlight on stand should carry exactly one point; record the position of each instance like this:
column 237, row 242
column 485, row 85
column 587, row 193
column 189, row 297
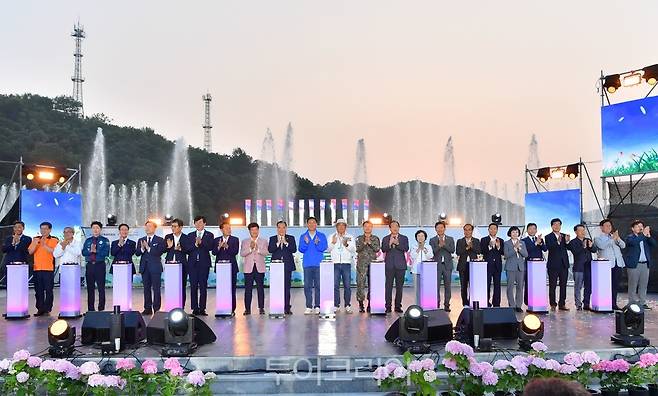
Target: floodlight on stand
column 629, row 326
column 611, row 83
column 387, row 218
column 225, row 216
column 168, row 219
column 572, row 171
column 62, row 179
column 631, row 79
column 111, row 220
column 650, row 74
column 531, row 329
column 61, row 338
column 413, row 330
column 558, row 173
column 497, row 218
column 544, row 174
column 443, row 216
column 178, row 334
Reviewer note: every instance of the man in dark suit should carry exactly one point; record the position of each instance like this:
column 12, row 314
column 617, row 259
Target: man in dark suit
column 198, row 264
column 443, row 246
column 582, row 249
column 395, row 245
column 536, row 247
column 16, row 245
column 226, row 248
column 557, row 264
column 282, row 247
column 639, row 245
column 491, row 247
column 150, row 248
column 176, row 247
column 123, row 249
column 467, row 249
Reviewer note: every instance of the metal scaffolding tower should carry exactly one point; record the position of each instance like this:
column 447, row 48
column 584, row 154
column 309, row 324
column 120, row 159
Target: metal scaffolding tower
column 207, row 138
column 78, row 34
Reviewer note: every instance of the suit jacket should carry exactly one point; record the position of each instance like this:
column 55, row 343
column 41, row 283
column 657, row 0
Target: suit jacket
column 123, row 253
column 151, row 260
column 172, row 254
column 466, row 254
column 284, row 252
column 493, row 257
column 534, row 251
column 18, row 253
column 608, row 248
column 199, row 256
column 443, row 254
column 632, row 256
column 514, row 261
column 253, row 256
column 229, row 253
column 582, row 256
column 396, row 255
column 557, row 252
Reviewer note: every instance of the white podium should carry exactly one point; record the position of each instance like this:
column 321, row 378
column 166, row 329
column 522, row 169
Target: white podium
column 122, row 285
column 327, row 289
column 601, row 300
column 537, row 297
column 277, row 289
column 69, row 290
column 428, row 288
column 377, row 288
column 477, row 282
column 224, row 289
column 173, row 284
column 17, row 291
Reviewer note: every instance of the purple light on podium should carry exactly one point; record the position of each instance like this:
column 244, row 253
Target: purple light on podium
column 537, row 297
column 247, row 210
column 122, row 285
column 69, row 290
column 428, row 288
column 277, row 296
column 377, row 285
column 601, row 286
column 17, row 291
column 173, row 283
column 477, row 283
column 326, row 287
column 224, row 289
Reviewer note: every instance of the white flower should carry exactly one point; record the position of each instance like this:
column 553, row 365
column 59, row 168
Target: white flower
column 89, row 368
column 209, row 376
column 429, row 376
column 5, row 364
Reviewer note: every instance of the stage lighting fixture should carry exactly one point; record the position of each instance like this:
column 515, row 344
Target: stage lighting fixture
column 632, row 78
column 455, row 221
column 62, row 179
column 531, row 329
column 413, row 330
column 572, row 171
column 235, row 221
column 376, row 220
column 651, row 74
column 497, row 218
column 178, row 334
column 629, row 324
column 111, row 220
column 155, row 220
column 168, row 219
column 611, row 83
column 29, row 176
column 558, row 173
column 225, row 216
column 61, row 338
column 387, row 218
column 443, row 216
column 46, row 175
column 544, row 174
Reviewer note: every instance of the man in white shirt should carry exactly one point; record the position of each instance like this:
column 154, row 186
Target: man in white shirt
column 342, row 247
column 68, row 250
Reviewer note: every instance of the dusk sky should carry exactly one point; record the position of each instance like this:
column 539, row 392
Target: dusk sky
column 403, row 75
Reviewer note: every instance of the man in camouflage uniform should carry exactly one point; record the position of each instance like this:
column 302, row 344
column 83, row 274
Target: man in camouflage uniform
column 367, row 246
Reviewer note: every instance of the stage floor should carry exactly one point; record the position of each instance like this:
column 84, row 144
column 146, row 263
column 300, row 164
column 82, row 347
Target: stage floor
column 350, row 335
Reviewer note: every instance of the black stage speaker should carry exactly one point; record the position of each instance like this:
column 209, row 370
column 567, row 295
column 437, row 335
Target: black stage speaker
column 96, row 327
column 498, row 323
column 203, row 334
column 439, row 327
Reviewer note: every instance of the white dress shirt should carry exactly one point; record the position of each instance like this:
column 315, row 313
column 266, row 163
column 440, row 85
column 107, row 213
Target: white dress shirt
column 425, row 254
column 70, row 254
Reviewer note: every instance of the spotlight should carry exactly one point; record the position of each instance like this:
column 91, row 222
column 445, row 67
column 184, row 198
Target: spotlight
column 46, row 175
column 387, row 218
column 168, row 219
column 557, row 173
column 651, row 74
column 572, row 171
column 111, row 220
column 235, row 221
column 629, row 324
column 413, row 331
column 455, row 221
column 443, row 216
column 225, row 216
column 61, row 338
column 30, row 176
column 497, row 218
column 62, row 179
column 531, row 329
column 376, row 220
column 611, row 83
column 178, row 334
column 631, row 79
column 544, row 174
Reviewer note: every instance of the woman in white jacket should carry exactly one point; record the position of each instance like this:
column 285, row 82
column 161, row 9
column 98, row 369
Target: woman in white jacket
column 420, row 251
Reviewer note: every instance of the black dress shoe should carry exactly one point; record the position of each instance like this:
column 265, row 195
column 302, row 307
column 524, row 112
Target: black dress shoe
column 39, row 313
column 245, row 313
column 399, row 310
column 261, row 311
column 388, row 310
column 195, row 312
column 645, row 306
column 586, row 308
column 147, row 312
column 563, row 308
column 203, row 313
column 579, row 308
column 447, row 309
column 616, row 308
column 518, row 309
column 553, row 307
column 288, row 312
column 368, row 309
column 361, row 307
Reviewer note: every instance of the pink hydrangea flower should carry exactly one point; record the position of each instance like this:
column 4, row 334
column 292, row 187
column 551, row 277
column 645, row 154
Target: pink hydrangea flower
column 176, row 371
column 125, row 364
column 171, row 363
column 34, row 361
column 489, row 378
column 95, row 380
column 501, row 364
column 552, row 364
column 647, row 360
column 73, row 372
column 381, row 373
column 5, row 364
column 149, row 366
column 391, row 366
column 23, row 354
column 428, row 364
column 22, row 377
column 47, row 365
column 415, row 366
column 89, row 368
column 63, row 366
column 450, row 364
column 539, row 346
column 196, row 378
column 539, row 363
column 477, row 369
column 567, row 369
column 520, row 365
column 574, row 359
column 400, row 372
column 590, row 357
column 458, row 348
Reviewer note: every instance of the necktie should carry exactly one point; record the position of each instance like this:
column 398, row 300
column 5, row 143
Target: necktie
column 534, row 239
column 148, row 241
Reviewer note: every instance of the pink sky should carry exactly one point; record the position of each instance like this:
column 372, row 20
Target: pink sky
column 403, row 75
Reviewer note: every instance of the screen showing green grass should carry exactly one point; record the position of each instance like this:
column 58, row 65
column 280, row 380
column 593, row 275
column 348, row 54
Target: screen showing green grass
column 630, row 137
